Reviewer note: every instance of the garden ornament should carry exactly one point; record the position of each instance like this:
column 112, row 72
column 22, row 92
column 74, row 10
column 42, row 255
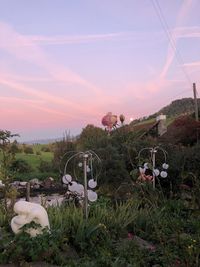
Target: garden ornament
column 28, row 212
column 1, row 184
column 109, row 121
column 83, row 166
column 148, row 171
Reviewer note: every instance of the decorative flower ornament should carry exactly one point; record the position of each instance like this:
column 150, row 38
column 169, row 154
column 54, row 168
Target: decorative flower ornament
column 156, row 172
column 80, row 164
column 92, row 183
column 88, row 169
column 85, row 161
column 165, row 166
column 66, row 179
column 142, row 170
column 163, row 174
column 146, row 165
column 72, row 186
column 92, row 196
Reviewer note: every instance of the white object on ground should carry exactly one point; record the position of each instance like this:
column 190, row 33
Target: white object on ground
column 29, row 212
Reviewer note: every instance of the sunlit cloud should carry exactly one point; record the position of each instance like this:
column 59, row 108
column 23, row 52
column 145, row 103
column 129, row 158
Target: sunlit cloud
column 26, row 101
column 172, row 50
column 37, row 56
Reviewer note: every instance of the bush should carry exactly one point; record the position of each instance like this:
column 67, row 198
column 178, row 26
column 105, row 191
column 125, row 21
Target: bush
column 45, row 166
column 28, row 150
column 20, row 166
column 45, row 149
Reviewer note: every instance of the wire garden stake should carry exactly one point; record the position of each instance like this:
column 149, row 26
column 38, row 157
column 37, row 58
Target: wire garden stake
column 162, row 171
column 86, row 165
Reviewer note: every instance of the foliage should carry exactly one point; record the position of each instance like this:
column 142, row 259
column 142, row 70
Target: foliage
column 45, row 166
column 60, row 152
column 20, row 166
column 90, row 137
column 7, row 156
column 167, row 218
column 182, row 130
column 110, row 235
column 45, row 148
column 25, row 248
column 178, row 107
column 14, row 148
column 28, row 149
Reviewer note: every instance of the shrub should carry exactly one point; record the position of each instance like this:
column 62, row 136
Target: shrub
column 20, row 166
column 45, row 166
column 28, row 150
column 45, row 149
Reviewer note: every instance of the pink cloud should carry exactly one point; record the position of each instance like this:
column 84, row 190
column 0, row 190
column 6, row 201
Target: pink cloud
column 185, row 9
column 34, row 54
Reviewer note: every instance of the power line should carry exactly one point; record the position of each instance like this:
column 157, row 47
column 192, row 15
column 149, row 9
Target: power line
column 182, row 92
column 165, row 26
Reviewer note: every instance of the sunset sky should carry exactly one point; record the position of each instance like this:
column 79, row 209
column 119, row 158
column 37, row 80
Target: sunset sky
column 66, row 63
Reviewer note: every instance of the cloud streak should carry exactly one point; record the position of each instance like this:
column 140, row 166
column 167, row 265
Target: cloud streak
column 172, row 48
column 35, row 55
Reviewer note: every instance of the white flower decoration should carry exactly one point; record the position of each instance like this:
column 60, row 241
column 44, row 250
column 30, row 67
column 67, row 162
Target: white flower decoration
column 66, row 179
column 92, row 183
column 146, row 165
column 156, row 172
column 92, row 196
column 80, row 164
column 163, row 174
column 165, row 166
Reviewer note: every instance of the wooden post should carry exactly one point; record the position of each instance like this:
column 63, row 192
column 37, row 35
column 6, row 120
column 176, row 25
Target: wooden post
column 28, row 189
column 195, row 102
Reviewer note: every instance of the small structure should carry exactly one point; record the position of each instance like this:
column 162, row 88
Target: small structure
column 161, row 126
column 28, row 212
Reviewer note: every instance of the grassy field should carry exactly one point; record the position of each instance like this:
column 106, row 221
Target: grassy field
column 34, row 160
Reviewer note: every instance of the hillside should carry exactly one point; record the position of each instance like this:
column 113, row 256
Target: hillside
column 180, row 123
column 178, row 107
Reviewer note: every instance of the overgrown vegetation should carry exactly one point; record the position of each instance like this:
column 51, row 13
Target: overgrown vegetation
column 143, row 231
column 131, row 224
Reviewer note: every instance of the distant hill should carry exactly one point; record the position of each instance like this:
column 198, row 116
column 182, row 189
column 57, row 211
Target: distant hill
column 43, row 141
column 178, row 107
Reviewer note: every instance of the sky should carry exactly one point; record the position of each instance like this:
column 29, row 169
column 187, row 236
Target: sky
column 65, row 64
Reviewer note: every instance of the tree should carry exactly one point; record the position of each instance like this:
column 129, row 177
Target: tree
column 20, row 166
column 14, row 148
column 7, row 159
column 7, row 156
column 90, row 137
column 28, row 150
column 60, row 152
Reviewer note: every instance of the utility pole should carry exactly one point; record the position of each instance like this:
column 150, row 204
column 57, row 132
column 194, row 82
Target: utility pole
column 195, row 102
